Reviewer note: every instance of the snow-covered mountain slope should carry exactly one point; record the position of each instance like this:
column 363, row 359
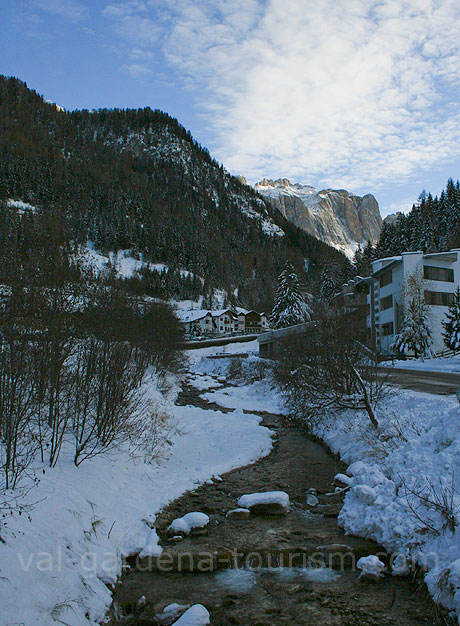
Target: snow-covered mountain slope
column 337, row 217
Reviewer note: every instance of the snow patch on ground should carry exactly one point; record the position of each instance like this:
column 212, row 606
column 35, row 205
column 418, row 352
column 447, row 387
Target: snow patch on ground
column 397, row 479
column 448, row 364
column 124, row 262
column 256, row 397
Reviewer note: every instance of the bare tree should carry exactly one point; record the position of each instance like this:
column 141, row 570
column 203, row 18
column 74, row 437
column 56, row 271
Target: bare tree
column 330, row 369
column 106, row 394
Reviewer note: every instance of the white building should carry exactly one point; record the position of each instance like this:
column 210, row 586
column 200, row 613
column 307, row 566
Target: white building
column 221, row 322
column 441, row 276
column 225, row 320
column 197, row 321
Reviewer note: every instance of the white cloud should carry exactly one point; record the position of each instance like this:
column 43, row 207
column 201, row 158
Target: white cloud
column 137, row 70
column 349, row 93
column 69, row 9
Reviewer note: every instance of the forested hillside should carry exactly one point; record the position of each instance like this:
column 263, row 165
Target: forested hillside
column 136, row 179
column 432, row 225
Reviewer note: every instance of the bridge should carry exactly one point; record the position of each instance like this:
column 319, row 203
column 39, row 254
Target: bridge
column 270, row 342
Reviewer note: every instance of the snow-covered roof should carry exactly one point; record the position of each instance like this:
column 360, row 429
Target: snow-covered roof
column 220, row 312
column 191, row 316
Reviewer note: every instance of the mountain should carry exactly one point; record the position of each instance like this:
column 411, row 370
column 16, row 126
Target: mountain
column 336, row 217
column 137, row 180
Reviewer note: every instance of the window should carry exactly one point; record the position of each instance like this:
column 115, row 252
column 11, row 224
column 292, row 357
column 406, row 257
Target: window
column 386, row 303
column 438, row 273
column 386, row 278
column 438, row 298
column 387, row 329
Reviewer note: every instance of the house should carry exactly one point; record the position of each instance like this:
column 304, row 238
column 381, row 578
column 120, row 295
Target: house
column 255, row 322
column 251, row 322
column 385, row 297
column 222, row 321
column 225, row 320
column 197, row 322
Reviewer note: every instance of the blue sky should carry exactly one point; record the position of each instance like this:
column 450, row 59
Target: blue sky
column 353, row 94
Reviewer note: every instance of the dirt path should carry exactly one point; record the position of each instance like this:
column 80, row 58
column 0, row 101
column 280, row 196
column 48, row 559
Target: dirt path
column 234, row 593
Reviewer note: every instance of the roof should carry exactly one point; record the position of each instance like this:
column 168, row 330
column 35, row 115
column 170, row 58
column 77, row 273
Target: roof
column 220, row 312
column 191, row 316
column 450, row 256
column 394, row 261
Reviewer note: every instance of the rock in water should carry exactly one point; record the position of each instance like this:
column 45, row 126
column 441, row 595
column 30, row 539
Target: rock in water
column 371, row 568
column 192, row 523
column 196, row 615
column 238, row 514
column 266, row 503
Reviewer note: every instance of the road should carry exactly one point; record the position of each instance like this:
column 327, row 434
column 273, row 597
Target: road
column 442, row 383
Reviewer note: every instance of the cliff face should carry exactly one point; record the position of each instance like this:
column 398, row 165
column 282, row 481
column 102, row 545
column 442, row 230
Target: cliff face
column 336, row 217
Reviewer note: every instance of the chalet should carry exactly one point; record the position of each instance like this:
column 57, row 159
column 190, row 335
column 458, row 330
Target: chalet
column 197, row 322
column 255, row 322
column 225, row 320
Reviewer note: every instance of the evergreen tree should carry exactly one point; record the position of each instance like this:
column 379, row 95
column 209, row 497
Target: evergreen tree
column 291, row 305
column 415, row 335
column 329, row 284
column 452, row 325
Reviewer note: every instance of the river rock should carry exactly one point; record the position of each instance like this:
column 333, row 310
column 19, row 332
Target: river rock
column 195, row 523
column 196, row 615
column 171, row 613
column 266, row 503
column 371, row 568
column 238, row 514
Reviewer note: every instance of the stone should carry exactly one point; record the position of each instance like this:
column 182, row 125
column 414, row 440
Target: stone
column 238, row 513
column 266, row 503
column 312, row 499
column 192, row 523
column 336, row 217
column 371, row 568
column 171, row 613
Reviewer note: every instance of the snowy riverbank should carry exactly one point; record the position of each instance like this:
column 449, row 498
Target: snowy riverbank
column 58, row 562
column 399, row 478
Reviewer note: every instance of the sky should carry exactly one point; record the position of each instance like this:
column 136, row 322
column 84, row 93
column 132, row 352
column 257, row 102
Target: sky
column 355, row 94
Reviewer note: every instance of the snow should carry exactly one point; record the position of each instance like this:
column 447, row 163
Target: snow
column 255, row 397
column 83, row 519
column 268, row 225
column 170, row 612
column 189, row 522
column 448, row 364
column 125, row 263
column 196, row 615
column 394, row 476
column 191, row 316
column 267, row 497
column 371, row 565
column 326, row 224
column 21, row 206
column 235, row 512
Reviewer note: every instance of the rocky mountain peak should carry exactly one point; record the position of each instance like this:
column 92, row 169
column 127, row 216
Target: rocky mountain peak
column 335, row 216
